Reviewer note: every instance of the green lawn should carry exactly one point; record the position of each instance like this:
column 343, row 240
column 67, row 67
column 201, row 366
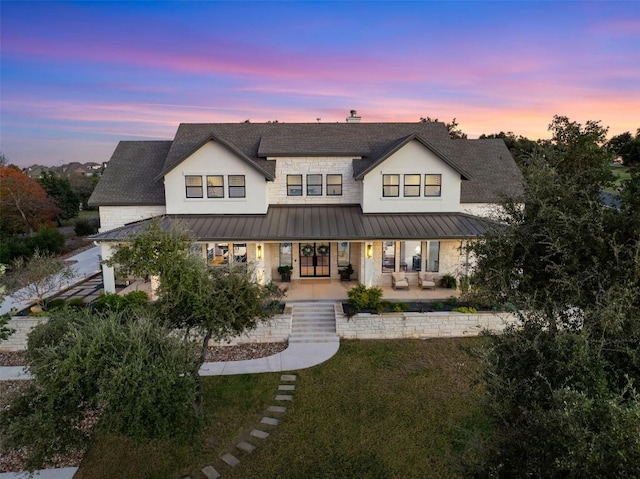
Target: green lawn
column 378, row 409
column 621, row 173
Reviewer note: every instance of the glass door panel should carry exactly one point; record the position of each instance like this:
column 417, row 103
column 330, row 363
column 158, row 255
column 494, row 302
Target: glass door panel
column 315, row 259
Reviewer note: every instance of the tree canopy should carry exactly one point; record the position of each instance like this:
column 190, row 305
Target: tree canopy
column 561, row 388
column 59, row 189
column 626, row 146
column 24, row 203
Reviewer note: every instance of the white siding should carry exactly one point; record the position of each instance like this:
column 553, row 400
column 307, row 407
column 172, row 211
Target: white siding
column 351, row 189
column 115, row 216
column 413, row 158
column 215, row 159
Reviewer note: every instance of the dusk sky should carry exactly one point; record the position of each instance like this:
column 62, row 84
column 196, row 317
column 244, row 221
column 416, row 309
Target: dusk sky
column 77, row 77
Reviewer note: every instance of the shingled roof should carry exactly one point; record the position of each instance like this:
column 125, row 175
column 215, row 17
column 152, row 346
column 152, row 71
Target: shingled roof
column 133, row 176
column 129, row 176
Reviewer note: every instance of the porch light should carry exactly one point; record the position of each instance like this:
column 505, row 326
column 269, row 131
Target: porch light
column 370, row 250
column 259, row 251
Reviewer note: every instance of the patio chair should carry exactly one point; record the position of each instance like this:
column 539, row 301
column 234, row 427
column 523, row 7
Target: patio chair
column 399, row 281
column 426, row 280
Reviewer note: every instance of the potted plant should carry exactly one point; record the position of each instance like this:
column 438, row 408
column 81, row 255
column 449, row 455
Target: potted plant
column 346, row 272
column 285, row 273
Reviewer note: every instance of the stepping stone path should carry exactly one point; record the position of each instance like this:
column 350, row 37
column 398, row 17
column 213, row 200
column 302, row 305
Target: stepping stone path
column 209, row 472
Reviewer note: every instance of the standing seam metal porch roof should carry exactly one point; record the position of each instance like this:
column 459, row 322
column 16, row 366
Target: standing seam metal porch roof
column 318, row 222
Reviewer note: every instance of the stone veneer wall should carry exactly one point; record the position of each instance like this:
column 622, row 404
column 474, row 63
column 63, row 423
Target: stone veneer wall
column 23, row 326
column 351, row 189
column 276, row 330
column 419, row 325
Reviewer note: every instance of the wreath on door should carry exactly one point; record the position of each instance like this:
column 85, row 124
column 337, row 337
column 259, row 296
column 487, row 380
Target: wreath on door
column 307, row 250
column 323, row 250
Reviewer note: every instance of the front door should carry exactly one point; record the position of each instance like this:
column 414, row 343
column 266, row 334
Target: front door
column 314, row 260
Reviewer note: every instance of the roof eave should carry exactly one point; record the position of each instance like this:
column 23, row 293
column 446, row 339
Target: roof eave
column 465, row 175
column 229, row 146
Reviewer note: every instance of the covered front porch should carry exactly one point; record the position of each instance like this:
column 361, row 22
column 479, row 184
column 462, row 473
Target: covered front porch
column 336, row 290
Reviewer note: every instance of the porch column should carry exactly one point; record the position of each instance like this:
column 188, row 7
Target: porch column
column 368, row 254
column 108, row 274
column 259, row 262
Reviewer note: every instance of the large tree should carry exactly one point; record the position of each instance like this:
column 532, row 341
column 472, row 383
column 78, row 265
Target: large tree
column 128, row 376
column 626, row 146
column 213, row 303
column 561, row 388
column 24, row 203
column 65, row 198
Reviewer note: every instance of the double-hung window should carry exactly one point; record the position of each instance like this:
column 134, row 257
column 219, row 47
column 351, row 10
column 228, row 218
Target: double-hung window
column 193, row 186
column 432, row 185
column 411, row 185
column 237, row 188
column 390, row 185
column 215, row 186
column 294, row 185
column 314, row 185
column 334, row 185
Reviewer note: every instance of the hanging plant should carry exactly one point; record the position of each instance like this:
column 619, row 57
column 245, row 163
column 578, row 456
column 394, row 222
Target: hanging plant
column 307, row 250
column 323, row 250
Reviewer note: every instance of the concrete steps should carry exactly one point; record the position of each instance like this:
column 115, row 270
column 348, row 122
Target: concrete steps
column 313, row 323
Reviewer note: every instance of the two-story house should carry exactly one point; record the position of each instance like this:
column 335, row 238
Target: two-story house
column 382, row 197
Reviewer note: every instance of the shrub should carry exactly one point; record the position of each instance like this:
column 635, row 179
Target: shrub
column 399, row 307
column 451, row 300
column 448, row 281
column 363, row 298
column 438, row 306
column 55, row 303
column 86, row 226
column 47, row 240
column 116, row 303
column 76, row 303
column 465, row 310
column 14, row 247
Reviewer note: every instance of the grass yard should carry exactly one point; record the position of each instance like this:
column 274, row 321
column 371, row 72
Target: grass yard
column 378, row 409
column 621, row 174
column 232, row 403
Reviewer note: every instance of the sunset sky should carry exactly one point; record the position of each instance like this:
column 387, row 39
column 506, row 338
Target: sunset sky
column 77, row 77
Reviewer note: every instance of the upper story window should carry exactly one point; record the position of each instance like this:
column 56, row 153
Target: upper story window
column 334, row 185
column 294, row 185
column 432, row 185
column 215, row 186
column 390, row 185
column 193, row 186
column 314, row 185
column 411, row 185
column 237, row 188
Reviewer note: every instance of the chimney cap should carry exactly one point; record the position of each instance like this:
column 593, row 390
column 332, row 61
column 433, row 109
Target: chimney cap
column 353, row 118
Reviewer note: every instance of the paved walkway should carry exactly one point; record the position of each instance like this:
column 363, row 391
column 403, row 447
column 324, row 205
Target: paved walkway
column 85, row 264
column 296, row 356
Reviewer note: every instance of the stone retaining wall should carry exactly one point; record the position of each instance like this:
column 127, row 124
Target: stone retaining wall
column 276, row 330
column 23, row 325
column 418, row 325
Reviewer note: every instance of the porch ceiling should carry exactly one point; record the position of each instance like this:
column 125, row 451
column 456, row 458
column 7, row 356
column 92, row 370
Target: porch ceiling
column 321, row 222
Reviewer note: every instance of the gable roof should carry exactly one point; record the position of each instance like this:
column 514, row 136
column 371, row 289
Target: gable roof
column 129, row 176
column 495, row 173
column 229, row 145
column 364, row 168
column 133, row 176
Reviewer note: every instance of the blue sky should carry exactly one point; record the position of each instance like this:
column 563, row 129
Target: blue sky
column 77, row 77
